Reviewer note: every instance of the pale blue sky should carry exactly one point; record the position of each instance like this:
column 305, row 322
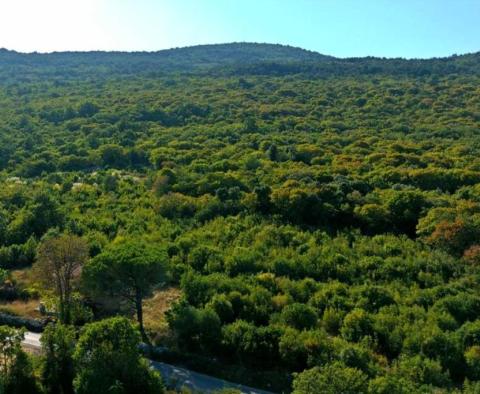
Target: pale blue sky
column 391, row 28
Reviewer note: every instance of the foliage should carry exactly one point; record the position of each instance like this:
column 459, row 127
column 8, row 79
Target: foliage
column 317, row 214
column 60, row 261
column 107, row 360
column 130, row 270
column 331, row 379
column 58, row 344
column 16, row 371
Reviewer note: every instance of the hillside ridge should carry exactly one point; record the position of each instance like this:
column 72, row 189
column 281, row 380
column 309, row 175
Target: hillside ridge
column 284, row 48
column 235, row 59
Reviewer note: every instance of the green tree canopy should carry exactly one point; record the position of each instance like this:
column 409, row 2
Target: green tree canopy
column 107, row 359
column 129, row 269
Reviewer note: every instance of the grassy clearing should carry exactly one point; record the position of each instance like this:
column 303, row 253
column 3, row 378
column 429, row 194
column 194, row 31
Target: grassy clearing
column 21, row 308
column 24, row 306
column 154, row 313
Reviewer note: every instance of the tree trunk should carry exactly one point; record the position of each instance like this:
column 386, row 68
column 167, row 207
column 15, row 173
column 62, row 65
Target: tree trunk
column 139, row 307
column 63, row 310
column 66, row 313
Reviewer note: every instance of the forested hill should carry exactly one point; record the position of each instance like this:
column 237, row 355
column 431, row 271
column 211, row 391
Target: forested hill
column 178, row 60
column 224, row 59
column 317, row 219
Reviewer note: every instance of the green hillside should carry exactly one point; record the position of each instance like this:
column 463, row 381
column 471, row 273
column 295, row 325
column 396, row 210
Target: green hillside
column 319, row 216
column 221, row 59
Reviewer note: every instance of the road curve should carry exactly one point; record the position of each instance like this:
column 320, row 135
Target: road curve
column 177, row 378
column 173, row 376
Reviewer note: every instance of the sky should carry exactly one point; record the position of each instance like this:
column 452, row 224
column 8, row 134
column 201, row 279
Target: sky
column 343, row 28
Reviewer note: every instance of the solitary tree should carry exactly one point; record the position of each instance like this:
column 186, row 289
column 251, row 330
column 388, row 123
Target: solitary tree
column 108, row 360
column 59, row 264
column 58, row 344
column 129, row 270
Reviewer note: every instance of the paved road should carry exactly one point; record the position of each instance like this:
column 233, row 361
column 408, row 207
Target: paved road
column 32, row 340
column 173, row 376
column 181, row 377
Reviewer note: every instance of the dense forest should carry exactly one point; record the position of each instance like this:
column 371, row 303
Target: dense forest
column 314, row 221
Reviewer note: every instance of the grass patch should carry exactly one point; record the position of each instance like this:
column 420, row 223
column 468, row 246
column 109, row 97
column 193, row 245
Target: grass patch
column 154, row 313
column 21, row 308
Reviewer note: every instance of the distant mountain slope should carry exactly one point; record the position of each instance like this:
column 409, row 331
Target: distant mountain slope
column 242, row 53
column 233, row 59
column 187, row 57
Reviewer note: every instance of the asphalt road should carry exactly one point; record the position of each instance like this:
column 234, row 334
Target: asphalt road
column 173, row 376
column 180, row 377
column 32, row 340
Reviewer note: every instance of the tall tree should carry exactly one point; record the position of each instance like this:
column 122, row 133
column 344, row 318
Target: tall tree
column 60, row 261
column 58, row 345
column 129, row 270
column 108, row 360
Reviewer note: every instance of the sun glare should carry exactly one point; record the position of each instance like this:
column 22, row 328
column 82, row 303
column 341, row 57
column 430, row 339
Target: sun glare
column 52, row 25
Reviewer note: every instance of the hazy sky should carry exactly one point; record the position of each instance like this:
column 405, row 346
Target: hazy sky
column 407, row 28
